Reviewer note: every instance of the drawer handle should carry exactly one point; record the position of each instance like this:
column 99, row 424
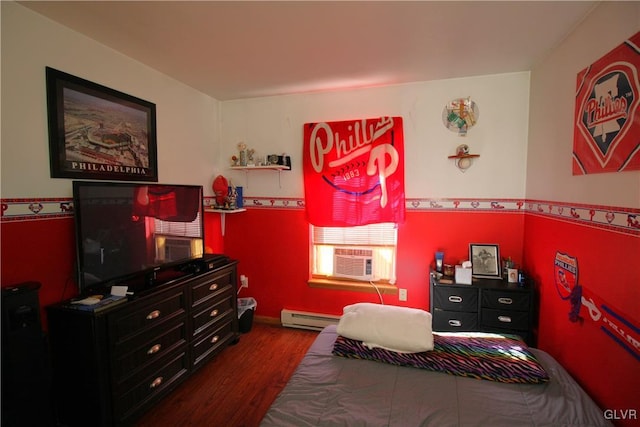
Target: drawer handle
column 153, row 315
column 455, row 298
column 455, row 323
column 213, row 287
column 215, row 339
column 154, row 349
column 155, row 383
column 504, row 319
column 505, row 300
column 213, row 313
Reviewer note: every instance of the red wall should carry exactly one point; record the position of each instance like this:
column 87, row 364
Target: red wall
column 609, row 273
column 41, row 251
column 273, row 248
column 44, row 251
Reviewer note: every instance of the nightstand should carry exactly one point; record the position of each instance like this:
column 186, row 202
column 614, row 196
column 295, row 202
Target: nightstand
column 487, row 305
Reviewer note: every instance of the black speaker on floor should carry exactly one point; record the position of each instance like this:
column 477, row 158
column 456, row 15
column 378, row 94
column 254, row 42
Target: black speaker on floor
column 26, row 375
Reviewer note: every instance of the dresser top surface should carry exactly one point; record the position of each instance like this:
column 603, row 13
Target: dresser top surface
column 497, row 284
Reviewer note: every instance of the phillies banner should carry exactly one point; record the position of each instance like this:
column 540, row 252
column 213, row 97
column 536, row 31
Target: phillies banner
column 607, row 122
column 354, row 172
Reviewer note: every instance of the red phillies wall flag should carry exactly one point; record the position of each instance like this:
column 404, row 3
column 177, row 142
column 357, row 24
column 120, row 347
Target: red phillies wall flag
column 607, row 125
column 354, row 172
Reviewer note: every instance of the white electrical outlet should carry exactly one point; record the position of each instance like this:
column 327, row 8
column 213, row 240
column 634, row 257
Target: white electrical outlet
column 244, row 281
column 403, row 294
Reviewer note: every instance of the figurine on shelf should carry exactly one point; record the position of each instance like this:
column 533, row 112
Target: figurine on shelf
column 230, row 202
column 250, row 153
column 234, row 160
column 242, row 148
column 462, row 150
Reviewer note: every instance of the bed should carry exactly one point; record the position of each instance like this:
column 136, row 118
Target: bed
column 331, row 390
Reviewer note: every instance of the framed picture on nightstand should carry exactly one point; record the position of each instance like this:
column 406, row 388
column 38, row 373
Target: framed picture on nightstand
column 485, row 260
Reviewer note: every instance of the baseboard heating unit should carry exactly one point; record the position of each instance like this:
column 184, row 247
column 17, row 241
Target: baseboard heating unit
column 305, row 320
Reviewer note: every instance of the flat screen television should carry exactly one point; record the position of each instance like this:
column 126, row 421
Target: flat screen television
column 129, row 232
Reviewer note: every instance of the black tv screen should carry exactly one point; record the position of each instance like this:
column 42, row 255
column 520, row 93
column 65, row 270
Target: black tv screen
column 130, row 231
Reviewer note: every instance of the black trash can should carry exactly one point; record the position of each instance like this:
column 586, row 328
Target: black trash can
column 246, row 307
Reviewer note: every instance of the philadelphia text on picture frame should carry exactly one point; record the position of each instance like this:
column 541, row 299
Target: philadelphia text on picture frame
column 99, row 133
column 485, row 260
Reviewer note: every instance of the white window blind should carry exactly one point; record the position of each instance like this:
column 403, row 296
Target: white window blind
column 370, row 235
column 176, row 228
column 381, row 238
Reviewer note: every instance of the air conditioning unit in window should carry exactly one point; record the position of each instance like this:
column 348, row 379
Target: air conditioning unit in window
column 353, row 263
column 176, row 248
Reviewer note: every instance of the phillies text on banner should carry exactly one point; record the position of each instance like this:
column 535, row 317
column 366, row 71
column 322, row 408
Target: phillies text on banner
column 354, row 172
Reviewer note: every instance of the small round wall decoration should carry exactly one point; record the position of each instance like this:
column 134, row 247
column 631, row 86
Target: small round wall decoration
column 460, row 115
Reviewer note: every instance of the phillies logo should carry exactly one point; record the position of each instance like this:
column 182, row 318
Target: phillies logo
column 354, row 172
column 359, row 152
column 606, row 111
column 607, row 123
column 566, row 278
column 566, row 274
column 613, row 323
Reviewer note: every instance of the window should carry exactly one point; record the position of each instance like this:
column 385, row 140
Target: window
column 178, row 228
column 349, row 252
column 177, row 240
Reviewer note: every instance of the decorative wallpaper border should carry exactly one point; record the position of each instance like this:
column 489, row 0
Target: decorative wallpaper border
column 35, row 209
column 618, row 219
column 462, row 204
column 268, row 202
column 625, row 220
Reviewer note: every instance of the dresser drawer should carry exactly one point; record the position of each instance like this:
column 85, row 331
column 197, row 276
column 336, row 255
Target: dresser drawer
column 210, row 286
column 157, row 381
column 450, row 298
column 505, row 319
column 117, row 362
column 142, row 317
column 149, row 350
column 451, row 321
column 213, row 342
column 219, row 309
column 505, row 300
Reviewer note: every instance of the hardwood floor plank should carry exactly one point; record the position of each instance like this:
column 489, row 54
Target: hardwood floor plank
column 237, row 387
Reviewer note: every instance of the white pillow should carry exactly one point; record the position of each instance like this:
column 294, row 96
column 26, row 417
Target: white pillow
column 401, row 329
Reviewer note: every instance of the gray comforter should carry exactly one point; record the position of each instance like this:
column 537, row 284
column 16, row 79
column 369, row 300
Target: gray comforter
column 328, row 390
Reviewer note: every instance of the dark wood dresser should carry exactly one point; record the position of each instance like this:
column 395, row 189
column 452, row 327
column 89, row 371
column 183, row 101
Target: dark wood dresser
column 114, row 363
column 487, row 305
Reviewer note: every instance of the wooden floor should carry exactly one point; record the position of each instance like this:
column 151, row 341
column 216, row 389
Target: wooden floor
column 238, row 386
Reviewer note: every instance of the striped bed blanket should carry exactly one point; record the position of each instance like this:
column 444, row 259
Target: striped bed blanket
column 494, row 357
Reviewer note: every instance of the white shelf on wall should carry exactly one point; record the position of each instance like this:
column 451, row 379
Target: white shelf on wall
column 247, row 169
column 223, row 213
column 269, row 167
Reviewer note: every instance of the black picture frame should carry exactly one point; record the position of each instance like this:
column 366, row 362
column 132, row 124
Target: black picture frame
column 485, row 260
column 96, row 132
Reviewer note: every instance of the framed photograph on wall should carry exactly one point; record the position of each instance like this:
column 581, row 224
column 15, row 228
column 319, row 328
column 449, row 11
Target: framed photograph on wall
column 99, row 133
column 485, row 260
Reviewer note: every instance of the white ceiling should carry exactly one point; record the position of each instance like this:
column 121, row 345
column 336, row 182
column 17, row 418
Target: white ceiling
column 241, row 49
